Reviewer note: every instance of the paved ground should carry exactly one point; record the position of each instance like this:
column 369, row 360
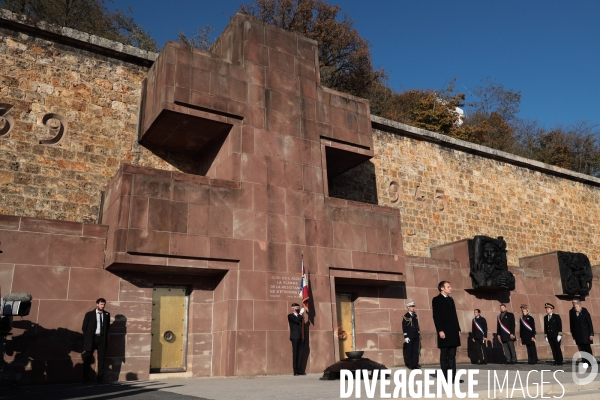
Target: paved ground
column 290, row 387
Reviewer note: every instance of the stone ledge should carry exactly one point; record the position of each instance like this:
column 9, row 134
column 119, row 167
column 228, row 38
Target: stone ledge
column 76, row 38
column 467, row 147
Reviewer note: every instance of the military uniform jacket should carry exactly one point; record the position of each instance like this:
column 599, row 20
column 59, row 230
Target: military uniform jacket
column 446, row 320
column 295, row 321
column 582, row 327
column 526, row 322
column 477, row 334
column 507, row 321
column 552, row 328
column 410, row 326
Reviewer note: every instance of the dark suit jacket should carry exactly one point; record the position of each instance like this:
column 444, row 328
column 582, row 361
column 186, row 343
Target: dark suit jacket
column 295, row 322
column 552, row 328
column 509, row 322
column 476, row 332
column 89, row 329
column 446, row 320
column 524, row 333
column 572, row 316
column 582, row 327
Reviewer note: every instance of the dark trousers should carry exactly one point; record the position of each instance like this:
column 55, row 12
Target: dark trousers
column 509, row 351
column 100, row 346
column 585, row 347
column 412, row 353
column 480, row 350
column 556, row 351
column 448, row 361
column 297, row 346
column 532, row 357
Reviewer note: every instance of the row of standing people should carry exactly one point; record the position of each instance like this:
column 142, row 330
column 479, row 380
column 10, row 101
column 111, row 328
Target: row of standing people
column 580, row 322
column 448, row 329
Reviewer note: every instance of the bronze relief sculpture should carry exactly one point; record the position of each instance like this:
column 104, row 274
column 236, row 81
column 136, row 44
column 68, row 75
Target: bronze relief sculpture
column 575, row 273
column 489, row 268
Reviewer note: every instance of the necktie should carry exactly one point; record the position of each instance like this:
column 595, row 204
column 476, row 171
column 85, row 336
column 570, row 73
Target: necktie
column 101, row 323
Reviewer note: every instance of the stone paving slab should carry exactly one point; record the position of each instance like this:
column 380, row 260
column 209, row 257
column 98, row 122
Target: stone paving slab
column 307, row 387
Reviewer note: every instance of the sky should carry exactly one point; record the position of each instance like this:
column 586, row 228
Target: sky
column 548, row 50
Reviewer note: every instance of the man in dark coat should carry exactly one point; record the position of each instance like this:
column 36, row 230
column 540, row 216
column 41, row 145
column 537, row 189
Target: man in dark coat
column 410, row 328
column 96, row 324
column 582, row 328
column 527, row 334
column 572, row 317
column 506, row 334
column 447, row 327
column 479, row 330
column 296, row 321
column 553, row 332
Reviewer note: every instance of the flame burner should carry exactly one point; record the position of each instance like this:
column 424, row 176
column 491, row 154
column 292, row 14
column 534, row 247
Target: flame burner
column 352, row 363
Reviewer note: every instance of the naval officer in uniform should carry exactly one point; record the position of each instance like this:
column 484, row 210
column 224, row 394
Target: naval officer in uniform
column 553, row 332
column 410, row 328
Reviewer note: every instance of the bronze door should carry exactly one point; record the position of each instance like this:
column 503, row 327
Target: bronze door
column 169, row 329
column 345, row 316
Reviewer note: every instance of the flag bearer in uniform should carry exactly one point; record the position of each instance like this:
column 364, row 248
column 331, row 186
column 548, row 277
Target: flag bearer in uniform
column 553, row 332
column 296, row 322
column 410, row 327
column 527, row 334
column 506, row 334
column 479, row 330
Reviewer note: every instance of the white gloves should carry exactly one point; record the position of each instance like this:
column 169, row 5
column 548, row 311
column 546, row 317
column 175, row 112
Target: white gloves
column 406, row 340
column 302, row 311
column 546, row 339
column 558, row 338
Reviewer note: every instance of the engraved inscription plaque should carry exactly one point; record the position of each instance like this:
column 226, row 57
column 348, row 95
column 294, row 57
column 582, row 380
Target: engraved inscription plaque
column 283, row 287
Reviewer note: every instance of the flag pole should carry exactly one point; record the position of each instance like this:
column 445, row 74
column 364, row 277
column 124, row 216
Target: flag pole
column 306, row 311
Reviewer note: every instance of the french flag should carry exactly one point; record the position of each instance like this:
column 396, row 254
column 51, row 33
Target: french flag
column 303, row 291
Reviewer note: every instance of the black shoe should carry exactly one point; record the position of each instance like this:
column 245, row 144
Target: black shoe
column 513, row 362
column 560, row 363
column 301, row 373
column 418, row 366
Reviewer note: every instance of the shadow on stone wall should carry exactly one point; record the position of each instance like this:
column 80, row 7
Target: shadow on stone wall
column 186, row 163
column 357, row 184
column 44, row 355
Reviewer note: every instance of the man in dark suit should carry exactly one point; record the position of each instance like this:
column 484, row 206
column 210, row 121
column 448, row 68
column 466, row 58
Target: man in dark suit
column 572, row 317
column 96, row 324
column 506, row 334
column 479, row 330
column 553, row 332
column 581, row 327
column 410, row 328
column 296, row 321
column 447, row 327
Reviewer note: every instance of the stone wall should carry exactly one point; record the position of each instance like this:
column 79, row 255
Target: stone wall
column 99, row 97
column 446, row 194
